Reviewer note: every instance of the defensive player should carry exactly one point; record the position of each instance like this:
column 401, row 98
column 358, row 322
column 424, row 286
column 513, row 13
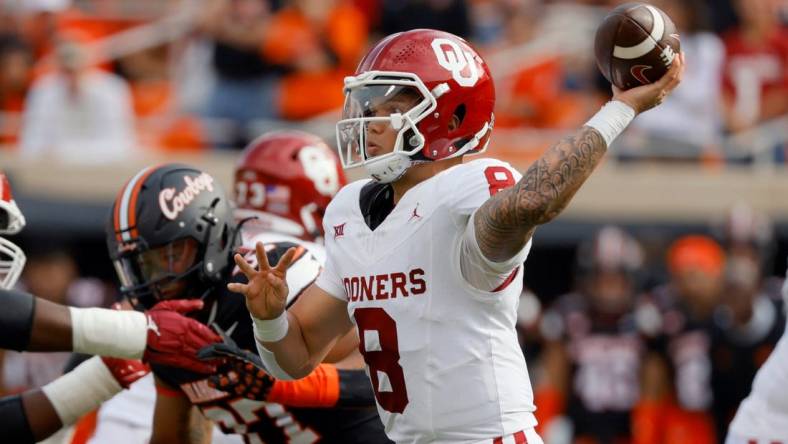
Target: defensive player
column 36, row 414
column 763, row 416
column 594, row 347
column 421, row 258
column 172, row 235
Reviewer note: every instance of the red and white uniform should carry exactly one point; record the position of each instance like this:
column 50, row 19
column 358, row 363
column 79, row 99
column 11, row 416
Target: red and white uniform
column 442, row 355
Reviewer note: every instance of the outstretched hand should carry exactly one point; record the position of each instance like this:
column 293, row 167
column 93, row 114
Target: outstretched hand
column 174, row 339
column 266, row 291
column 643, row 98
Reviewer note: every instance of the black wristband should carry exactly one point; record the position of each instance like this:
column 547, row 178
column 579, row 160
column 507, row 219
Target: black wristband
column 13, row 421
column 16, row 319
column 355, row 389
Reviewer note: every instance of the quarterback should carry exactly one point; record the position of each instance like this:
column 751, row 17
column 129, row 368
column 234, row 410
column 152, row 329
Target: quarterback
column 426, row 257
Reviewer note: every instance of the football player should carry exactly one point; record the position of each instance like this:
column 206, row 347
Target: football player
column 763, row 416
column 36, row 414
column 750, row 319
column 425, row 258
column 677, row 384
column 175, row 240
column 594, row 344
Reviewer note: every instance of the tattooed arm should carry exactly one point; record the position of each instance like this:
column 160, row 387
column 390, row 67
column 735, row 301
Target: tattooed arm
column 505, row 223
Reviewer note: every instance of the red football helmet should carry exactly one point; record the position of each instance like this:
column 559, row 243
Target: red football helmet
column 12, row 259
column 286, row 179
column 441, row 76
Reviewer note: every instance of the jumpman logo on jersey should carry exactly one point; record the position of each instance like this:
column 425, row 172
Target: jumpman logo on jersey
column 415, row 214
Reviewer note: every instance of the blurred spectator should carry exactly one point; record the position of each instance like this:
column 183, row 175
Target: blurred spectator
column 246, row 84
column 756, row 66
column 15, row 67
column 594, row 347
column 38, row 22
column 446, row 15
column 320, row 42
column 50, row 273
column 678, row 408
column 161, row 121
column 689, row 122
column 534, row 95
column 78, row 114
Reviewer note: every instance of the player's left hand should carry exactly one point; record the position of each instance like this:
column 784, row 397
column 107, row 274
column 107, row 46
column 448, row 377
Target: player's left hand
column 266, row 292
column 241, row 372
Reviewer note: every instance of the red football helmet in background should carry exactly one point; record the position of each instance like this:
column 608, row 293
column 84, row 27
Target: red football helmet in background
column 447, row 77
column 286, row 179
column 12, row 259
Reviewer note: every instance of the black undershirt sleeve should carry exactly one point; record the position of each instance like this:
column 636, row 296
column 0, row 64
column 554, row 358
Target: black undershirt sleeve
column 13, row 421
column 16, row 319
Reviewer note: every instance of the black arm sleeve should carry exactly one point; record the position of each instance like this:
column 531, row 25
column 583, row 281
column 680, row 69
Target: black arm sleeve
column 13, row 421
column 355, row 390
column 16, row 319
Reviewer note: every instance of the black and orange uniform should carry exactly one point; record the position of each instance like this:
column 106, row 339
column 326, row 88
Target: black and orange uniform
column 346, row 412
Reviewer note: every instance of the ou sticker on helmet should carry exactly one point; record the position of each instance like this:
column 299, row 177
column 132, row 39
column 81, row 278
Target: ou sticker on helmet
column 455, row 60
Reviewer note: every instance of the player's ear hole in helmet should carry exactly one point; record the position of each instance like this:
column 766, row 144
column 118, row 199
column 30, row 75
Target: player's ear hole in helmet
column 171, row 234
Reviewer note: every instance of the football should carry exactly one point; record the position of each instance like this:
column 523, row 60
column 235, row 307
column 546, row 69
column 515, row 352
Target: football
column 635, row 45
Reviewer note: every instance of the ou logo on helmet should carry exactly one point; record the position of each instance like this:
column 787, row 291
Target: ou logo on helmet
column 321, row 169
column 451, row 56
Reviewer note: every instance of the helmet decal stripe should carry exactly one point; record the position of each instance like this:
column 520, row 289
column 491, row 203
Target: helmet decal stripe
column 132, row 188
column 116, row 210
column 133, row 203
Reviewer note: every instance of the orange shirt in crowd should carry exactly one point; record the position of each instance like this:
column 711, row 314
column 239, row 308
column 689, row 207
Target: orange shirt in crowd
column 293, row 40
column 536, row 99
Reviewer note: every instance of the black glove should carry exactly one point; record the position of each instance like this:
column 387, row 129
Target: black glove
column 241, row 372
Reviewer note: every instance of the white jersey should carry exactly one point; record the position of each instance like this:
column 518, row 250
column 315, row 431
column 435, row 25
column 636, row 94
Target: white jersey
column 442, row 356
column 763, row 415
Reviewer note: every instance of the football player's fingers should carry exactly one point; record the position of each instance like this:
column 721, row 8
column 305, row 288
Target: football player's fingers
column 673, row 76
column 286, row 259
column 184, row 306
column 246, row 267
column 205, row 335
column 236, row 287
column 262, row 258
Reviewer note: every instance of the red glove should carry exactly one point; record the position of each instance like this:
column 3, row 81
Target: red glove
column 174, row 339
column 126, row 371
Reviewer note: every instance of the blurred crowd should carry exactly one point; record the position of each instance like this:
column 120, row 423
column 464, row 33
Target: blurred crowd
column 653, row 344
column 657, row 343
column 91, row 81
